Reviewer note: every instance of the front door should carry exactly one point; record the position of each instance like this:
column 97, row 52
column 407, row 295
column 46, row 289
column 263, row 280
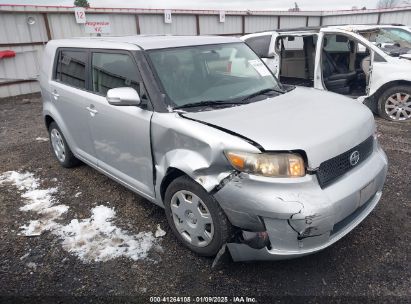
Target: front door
column 121, row 134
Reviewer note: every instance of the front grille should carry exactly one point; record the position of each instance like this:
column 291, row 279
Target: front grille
column 333, row 168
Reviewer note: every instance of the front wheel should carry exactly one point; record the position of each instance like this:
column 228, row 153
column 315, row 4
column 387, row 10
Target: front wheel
column 195, row 217
column 395, row 103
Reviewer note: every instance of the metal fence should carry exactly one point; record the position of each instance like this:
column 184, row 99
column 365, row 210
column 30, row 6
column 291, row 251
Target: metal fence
column 25, row 29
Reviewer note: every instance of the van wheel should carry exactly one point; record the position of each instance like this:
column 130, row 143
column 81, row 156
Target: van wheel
column 395, row 103
column 60, row 148
column 195, row 217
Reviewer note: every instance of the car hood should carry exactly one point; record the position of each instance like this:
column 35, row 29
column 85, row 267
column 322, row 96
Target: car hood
column 323, row 124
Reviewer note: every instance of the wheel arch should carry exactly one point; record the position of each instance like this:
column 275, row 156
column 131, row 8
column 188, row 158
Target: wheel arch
column 171, row 174
column 372, row 101
column 388, row 85
column 48, row 120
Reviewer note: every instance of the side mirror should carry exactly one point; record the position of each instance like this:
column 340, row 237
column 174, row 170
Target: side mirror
column 123, row 97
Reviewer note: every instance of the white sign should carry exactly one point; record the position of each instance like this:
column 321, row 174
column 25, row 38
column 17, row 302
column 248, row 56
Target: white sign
column 80, row 14
column 259, row 67
column 98, row 24
column 167, row 16
column 222, row 16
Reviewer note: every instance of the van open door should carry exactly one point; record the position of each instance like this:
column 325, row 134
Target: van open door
column 263, row 44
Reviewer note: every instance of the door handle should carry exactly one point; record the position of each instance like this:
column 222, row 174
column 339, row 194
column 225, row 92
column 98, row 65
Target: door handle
column 92, row 110
column 55, row 95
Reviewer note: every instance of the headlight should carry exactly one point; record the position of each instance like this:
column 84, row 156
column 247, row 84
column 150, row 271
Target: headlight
column 267, row 164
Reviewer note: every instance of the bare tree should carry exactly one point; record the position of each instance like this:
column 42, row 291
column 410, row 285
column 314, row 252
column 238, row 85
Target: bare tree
column 392, row 3
column 296, row 8
column 387, row 3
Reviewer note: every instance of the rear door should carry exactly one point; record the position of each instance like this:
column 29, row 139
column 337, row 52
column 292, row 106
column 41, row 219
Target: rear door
column 121, row 134
column 68, row 89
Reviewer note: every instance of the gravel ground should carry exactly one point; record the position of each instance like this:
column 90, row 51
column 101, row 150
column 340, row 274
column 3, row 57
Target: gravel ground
column 372, row 262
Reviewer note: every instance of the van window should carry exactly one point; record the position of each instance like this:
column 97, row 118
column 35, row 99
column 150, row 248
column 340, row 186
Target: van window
column 112, row 70
column 336, row 43
column 71, row 67
column 260, row 45
column 295, row 43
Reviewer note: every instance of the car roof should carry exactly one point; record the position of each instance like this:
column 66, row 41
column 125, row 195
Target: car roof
column 147, row 42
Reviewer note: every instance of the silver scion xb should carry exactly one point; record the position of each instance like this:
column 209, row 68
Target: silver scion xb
column 201, row 127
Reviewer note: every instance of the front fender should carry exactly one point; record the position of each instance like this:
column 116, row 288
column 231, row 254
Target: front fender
column 384, row 73
column 193, row 148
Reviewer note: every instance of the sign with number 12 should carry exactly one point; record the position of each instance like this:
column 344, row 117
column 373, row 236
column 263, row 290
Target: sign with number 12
column 167, row 16
column 80, row 14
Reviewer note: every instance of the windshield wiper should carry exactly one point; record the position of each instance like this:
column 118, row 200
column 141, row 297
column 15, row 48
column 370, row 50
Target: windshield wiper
column 206, row 103
column 261, row 92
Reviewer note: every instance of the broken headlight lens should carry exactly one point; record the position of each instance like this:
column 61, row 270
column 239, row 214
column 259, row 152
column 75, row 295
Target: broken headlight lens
column 267, row 164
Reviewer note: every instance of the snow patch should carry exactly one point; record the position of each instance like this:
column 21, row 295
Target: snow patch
column 25, row 256
column 159, row 232
column 98, row 239
column 42, row 139
column 91, row 239
column 37, row 200
column 32, row 265
column 77, row 194
column 23, row 181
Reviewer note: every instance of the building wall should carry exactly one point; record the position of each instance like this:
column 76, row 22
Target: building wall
column 351, row 19
column 210, row 24
column 260, row 23
column 181, row 25
column 293, row 21
column 14, row 28
column 397, row 17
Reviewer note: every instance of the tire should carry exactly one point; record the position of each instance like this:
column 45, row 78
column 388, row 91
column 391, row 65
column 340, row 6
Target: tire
column 390, row 108
column 189, row 220
column 60, row 148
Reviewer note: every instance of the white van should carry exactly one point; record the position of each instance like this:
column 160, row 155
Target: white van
column 371, row 63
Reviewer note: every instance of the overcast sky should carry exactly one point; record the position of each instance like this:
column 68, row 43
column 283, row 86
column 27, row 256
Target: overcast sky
column 214, row 4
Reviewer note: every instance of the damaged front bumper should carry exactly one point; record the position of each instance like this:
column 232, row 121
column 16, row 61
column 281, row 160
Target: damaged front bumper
column 298, row 216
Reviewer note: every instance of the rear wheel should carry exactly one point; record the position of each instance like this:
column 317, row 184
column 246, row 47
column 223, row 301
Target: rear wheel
column 395, row 103
column 60, row 148
column 195, row 217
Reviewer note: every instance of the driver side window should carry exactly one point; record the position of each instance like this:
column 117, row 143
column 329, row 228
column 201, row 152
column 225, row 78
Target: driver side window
column 113, row 70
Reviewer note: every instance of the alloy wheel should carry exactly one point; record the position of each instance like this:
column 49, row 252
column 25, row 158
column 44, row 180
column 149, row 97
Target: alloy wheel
column 398, row 106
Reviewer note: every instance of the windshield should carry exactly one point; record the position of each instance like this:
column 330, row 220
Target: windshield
column 211, row 73
column 393, row 41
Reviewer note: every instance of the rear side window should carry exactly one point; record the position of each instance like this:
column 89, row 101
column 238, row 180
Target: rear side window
column 112, row 70
column 260, row 45
column 71, row 68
